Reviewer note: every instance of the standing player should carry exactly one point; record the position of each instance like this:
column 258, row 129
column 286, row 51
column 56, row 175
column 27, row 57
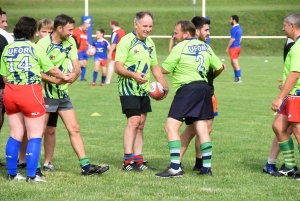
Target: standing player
column 60, row 47
column 270, row 166
column 190, row 131
column 136, row 57
column 82, row 41
column 21, row 65
column 189, row 62
column 100, row 57
column 288, row 100
column 116, row 35
column 234, row 47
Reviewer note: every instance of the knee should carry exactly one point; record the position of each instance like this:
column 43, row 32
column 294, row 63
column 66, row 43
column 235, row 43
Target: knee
column 50, row 130
column 74, row 130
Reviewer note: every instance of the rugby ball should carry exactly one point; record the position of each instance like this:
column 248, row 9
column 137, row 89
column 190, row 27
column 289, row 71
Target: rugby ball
column 156, row 91
column 91, row 51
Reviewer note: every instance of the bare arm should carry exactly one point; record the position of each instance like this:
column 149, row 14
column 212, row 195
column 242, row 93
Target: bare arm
column 111, row 49
column 137, row 76
column 159, row 77
column 218, row 72
column 4, row 79
column 229, row 44
column 52, row 80
column 289, row 84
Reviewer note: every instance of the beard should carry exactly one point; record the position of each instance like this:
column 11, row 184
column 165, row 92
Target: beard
column 231, row 23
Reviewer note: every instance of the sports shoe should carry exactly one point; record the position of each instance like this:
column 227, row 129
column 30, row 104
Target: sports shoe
column 132, row 166
column 205, row 171
column 39, row 172
column 107, row 82
column 95, row 169
column 21, row 165
column 35, row 179
column 297, row 176
column 102, row 84
column 170, row 173
column 284, row 171
column 93, row 84
column 83, row 79
column 17, row 177
column 144, row 166
column 195, row 168
column 269, row 168
column 237, row 80
column 49, row 167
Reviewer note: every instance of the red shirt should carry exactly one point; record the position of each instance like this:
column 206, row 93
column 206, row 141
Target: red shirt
column 81, row 38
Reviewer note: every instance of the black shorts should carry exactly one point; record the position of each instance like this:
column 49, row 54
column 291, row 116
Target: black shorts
column 192, row 102
column 141, row 103
column 52, row 121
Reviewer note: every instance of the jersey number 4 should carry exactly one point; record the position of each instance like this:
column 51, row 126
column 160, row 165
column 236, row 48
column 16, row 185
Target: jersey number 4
column 23, row 64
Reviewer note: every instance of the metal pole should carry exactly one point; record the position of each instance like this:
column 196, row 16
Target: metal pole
column 86, row 7
column 203, row 8
column 194, row 3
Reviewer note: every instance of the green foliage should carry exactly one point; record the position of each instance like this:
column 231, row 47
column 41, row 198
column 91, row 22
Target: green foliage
column 258, row 18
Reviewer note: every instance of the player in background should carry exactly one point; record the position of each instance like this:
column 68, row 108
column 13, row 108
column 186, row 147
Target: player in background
column 82, row 41
column 135, row 59
column 287, row 101
column 234, row 47
column 189, row 132
column 45, row 27
column 172, row 42
column 116, row 35
column 4, row 24
column 270, row 166
column 100, row 57
column 193, row 95
column 23, row 98
column 61, row 47
column 5, row 39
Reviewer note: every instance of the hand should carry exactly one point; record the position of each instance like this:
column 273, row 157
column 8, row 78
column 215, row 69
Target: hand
column 224, row 67
column 71, row 77
column 227, row 51
column 280, row 84
column 276, row 104
column 166, row 91
column 139, row 78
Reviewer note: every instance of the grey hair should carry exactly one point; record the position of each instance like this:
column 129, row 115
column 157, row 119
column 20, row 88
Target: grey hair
column 142, row 14
column 293, row 18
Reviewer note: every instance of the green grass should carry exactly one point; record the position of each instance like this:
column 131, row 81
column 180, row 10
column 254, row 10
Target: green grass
column 241, row 140
column 241, row 134
column 258, row 18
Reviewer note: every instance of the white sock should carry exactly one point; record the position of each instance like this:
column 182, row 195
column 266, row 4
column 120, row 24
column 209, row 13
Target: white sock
column 272, row 161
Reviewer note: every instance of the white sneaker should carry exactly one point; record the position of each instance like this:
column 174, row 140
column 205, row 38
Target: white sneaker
column 107, row 82
column 18, row 177
column 36, row 179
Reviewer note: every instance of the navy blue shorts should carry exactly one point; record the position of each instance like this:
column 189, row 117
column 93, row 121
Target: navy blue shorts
column 192, row 102
column 141, row 103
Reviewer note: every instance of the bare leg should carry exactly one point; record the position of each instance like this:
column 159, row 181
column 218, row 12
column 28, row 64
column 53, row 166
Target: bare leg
column 185, row 138
column 139, row 139
column 110, row 71
column 70, row 121
column 130, row 134
column 49, row 143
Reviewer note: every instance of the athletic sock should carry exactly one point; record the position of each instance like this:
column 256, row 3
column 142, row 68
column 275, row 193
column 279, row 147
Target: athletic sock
column 128, row 157
column 235, row 74
column 174, row 147
column 33, row 155
column 12, row 150
column 239, row 73
column 85, row 163
column 95, row 76
column 198, row 162
column 271, row 161
column 103, row 78
column 287, row 148
column 206, row 150
column 138, row 159
column 39, row 165
column 83, row 70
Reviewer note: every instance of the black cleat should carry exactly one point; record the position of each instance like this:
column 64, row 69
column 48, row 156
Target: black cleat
column 132, row 166
column 170, row 173
column 284, row 171
column 95, row 169
column 205, row 171
column 145, row 166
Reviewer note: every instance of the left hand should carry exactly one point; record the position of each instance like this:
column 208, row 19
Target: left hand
column 166, row 91
column 224, row 67
column 276, row 104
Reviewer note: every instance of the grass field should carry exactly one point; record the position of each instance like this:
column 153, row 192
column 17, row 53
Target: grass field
column 241, row 134
column 241, row 139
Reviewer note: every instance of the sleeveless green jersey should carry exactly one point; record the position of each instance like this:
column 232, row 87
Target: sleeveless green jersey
column 292, row 63
column 137, row 56
column 23, row 61
column 59, row 55
column 189, row 61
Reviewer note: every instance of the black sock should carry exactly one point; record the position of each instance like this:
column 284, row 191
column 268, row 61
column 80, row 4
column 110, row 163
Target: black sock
column 198, row 162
